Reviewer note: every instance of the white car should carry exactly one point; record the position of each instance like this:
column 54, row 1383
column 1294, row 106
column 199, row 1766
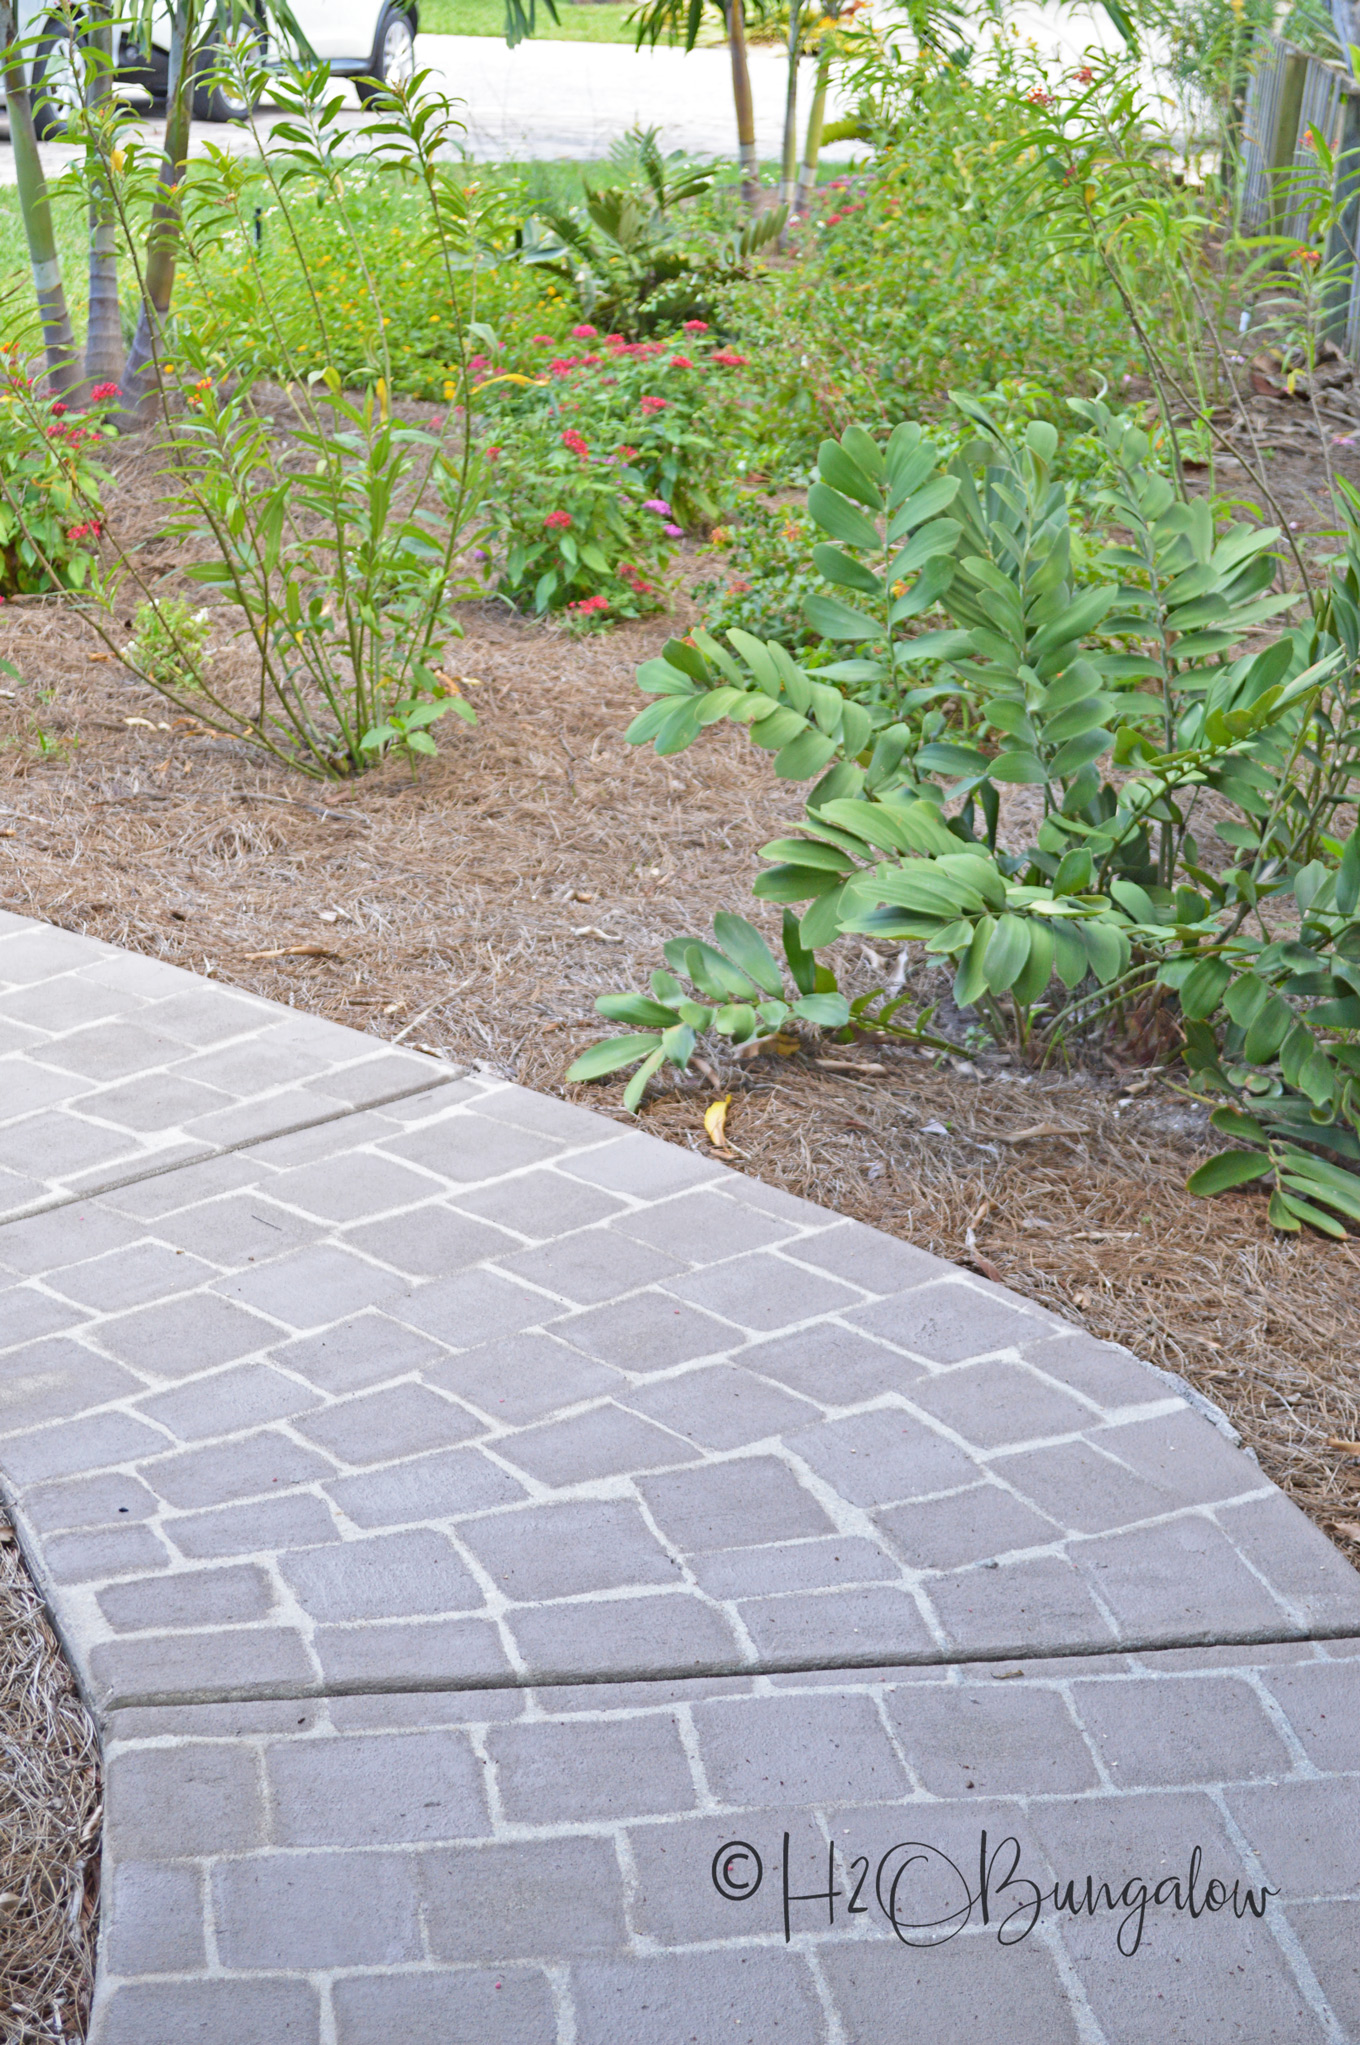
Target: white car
column 371, row 41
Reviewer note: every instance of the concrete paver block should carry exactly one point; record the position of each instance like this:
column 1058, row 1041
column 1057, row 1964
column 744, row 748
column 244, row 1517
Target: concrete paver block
column 469, row 1516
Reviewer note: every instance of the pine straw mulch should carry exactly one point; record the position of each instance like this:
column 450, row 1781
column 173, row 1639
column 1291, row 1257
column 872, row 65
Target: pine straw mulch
column 49, row 1824
column 477, row 911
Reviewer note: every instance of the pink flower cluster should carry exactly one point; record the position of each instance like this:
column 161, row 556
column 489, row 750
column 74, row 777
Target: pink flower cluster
column 726, row 358
column 575, row 444
column 636, row 581
column 695, row 327
column 91, row 529
column 558, row 521
column 651, row 404
column 102, row 391
column 589, row 606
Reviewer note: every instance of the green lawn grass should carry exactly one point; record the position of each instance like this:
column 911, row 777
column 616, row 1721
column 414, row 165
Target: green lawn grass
column 603, row 22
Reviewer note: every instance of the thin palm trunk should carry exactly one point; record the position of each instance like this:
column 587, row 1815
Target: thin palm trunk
column 788, row 181
column 36, row 206
column 162, row 253
column 104, row 326
column 745, row 105
column 812, row 148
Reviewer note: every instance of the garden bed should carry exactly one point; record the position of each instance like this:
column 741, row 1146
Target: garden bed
column 478, row 910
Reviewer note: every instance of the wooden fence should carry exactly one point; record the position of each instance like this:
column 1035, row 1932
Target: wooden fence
column 1291, row 94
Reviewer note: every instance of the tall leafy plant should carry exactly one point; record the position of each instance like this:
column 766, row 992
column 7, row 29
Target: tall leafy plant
column 1115, row 899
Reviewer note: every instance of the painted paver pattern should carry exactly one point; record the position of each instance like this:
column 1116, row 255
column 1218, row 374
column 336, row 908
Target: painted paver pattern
column 466, row 1515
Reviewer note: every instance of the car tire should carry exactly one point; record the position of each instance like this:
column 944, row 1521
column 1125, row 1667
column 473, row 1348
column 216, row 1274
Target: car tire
column 58, row 80
column 394, row 53
column 211, row 102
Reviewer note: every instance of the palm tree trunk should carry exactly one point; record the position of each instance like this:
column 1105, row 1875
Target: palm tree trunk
column 741, row 94
column 162, row 248
column 812, row 148
column 36, row 207
column 788, row 181
column 104, row 326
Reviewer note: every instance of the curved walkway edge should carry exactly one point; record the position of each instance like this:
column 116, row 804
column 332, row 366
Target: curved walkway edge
column 537, row 1584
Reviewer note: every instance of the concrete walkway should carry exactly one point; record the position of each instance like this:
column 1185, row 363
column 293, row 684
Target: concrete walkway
column 538, row 1585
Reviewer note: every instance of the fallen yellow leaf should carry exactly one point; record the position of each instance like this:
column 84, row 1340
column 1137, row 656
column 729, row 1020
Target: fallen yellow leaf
column 715, row 1123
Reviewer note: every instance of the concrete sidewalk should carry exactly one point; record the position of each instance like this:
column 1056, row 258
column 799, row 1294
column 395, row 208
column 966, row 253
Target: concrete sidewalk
column 538, row 1585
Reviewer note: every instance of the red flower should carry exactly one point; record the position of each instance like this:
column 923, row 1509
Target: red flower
column 650, row 404
column 543, row 341
column 58, row 408
column 584, row 333
column 1037, row 97
column 1085, row 75
column 681, row 362
column 695, row 327
column 727, row 359
column 493, row 454
column 558, row 521
column 102, row 391
column 627, row 454
column 562, row 365
column 572, row 439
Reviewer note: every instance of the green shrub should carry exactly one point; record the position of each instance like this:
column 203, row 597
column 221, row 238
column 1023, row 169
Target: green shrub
column 1117, row 898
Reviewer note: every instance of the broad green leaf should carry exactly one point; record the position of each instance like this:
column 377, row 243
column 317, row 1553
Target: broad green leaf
column 821, row 923
column 942, row 757
column 1017, row 765
column 760, row 659
column 832, row 619
column 778, row 729
column 737, row 1020
column 1348, row 876
column 1069, row 955
column 637, row 1085
column 711, row 972
column 839, row 567
column 970, row 981
column 1106, row 947
column 1037, row 971
column 636, row 1009
column 802, row 962
column 610, row 1055
column 841, row 470
column 1006, row 953
column 828, row 1011
column 803, row 756
column 745, row 946
column 1203, row 987
column 838, row 517
column 1230, row 1168
column 1269, row 1028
